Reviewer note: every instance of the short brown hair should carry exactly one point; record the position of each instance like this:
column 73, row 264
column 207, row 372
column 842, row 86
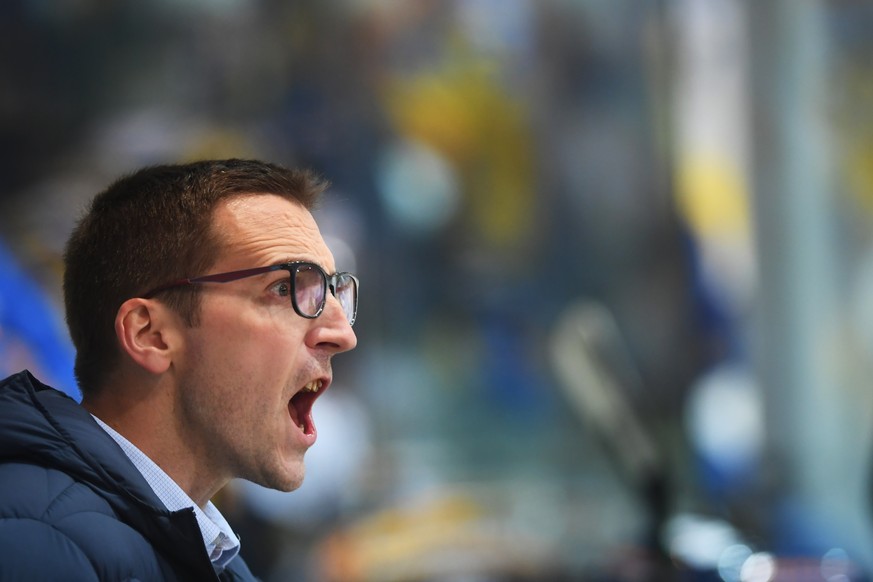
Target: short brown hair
column 148, row 228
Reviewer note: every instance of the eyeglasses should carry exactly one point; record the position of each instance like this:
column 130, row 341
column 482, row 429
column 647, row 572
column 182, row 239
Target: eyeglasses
column 309, row 285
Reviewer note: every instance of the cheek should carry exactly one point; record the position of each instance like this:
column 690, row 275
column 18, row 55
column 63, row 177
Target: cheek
column 262, row 350
column 279, row 345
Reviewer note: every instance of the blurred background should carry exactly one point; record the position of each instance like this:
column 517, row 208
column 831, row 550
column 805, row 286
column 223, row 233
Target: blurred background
column 616, row 266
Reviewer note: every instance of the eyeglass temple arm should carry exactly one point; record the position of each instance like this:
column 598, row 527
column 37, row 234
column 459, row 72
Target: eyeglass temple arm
column 217, row 278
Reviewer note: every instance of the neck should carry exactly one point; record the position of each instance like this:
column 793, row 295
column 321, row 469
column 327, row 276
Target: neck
column 147, row 422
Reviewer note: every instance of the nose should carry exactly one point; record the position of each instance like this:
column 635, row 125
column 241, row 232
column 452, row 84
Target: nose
column 331, row 330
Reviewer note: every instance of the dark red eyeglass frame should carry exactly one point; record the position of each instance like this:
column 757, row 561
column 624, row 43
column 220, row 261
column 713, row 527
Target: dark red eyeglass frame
column 331, row 282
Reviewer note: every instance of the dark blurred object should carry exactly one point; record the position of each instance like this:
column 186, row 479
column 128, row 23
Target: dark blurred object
column 594, row 370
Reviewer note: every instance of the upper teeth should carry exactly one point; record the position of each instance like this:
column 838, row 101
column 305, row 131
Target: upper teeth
column 313, row 386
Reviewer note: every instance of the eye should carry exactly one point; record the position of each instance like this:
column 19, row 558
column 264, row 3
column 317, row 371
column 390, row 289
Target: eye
column 282, row 288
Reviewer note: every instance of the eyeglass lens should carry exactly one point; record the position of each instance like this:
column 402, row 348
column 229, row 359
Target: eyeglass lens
column 310, row 288
column 346, row 292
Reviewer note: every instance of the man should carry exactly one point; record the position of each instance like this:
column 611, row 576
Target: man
column 205, row 309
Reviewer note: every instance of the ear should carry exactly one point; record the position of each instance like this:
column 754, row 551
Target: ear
column 142, row 327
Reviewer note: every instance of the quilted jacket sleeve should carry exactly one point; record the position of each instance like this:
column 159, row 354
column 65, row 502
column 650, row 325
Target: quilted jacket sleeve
column 32, row 550
column 54, row 528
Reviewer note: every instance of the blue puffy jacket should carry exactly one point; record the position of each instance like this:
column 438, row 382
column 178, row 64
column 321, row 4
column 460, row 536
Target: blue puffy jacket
column 73, row 506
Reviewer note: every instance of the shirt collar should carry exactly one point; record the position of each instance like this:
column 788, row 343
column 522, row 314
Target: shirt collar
column 221, row 542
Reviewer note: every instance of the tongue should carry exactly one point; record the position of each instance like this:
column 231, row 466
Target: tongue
column 300, row 409
column 292, row 411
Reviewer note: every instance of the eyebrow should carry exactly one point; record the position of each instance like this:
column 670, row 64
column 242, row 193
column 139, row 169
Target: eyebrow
column 299, row 259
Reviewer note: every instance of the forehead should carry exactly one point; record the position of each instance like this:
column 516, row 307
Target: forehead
column 264, row 229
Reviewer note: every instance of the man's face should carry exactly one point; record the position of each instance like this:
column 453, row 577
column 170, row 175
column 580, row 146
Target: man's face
column 243, row 372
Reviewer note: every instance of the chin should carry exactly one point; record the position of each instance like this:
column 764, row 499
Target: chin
column 282, row 472
column 289, row 485
column 286, row 481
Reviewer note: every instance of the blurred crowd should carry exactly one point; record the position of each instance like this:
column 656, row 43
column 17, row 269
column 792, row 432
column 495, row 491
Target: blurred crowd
column 556, row 333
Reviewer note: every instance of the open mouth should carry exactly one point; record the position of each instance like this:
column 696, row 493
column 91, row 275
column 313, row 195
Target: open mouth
column 300, row 406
